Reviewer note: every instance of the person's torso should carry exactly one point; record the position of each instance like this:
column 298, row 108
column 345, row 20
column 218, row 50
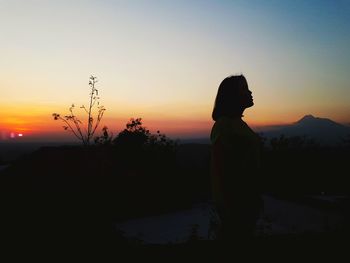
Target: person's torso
column 238, row 140
column 240, row 156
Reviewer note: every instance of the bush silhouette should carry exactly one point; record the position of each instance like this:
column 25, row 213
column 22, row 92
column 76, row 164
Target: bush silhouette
column 346, row 141
column 294, row 142
column 105, row 139
column 137, row 136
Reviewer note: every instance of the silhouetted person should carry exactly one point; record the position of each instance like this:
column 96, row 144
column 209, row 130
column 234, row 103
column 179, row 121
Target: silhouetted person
column 235, row 162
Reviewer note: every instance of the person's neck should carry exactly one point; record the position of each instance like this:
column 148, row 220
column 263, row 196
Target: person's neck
column 236, row 116
column 239, row 115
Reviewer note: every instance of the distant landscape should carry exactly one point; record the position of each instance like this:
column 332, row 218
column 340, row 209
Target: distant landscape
column 308, row 156
column 321, row 130
column 137, row 176
column 115, row 182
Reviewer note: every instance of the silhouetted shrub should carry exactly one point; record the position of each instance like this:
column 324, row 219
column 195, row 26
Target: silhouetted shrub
column 137, row 136
column 263, row 140
column 294, row 142
column 74, row 125
column 105, row 139
column 346, row 141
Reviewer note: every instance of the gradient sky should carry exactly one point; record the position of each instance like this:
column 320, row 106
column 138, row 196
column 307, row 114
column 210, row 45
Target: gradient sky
column 163, row 61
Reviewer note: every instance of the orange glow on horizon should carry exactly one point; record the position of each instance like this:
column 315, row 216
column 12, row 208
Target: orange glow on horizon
column 38, row 122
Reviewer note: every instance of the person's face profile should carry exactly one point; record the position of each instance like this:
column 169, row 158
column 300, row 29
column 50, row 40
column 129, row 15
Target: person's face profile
column 246, row 97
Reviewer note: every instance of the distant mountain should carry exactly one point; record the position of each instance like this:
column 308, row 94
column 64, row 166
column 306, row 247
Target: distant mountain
column 322, row 130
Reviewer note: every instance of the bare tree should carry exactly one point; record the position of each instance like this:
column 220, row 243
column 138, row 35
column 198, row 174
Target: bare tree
column 72, row 123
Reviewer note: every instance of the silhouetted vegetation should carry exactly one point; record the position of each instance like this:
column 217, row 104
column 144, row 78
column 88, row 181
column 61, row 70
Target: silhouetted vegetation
column 138, row 173
column 134, row 173
column 135, row 135
column 144, row 165
column 346, row 141
column 297, row 164
column 141, row 150
column 84, row 132
column 105, row 139
column 295, row 142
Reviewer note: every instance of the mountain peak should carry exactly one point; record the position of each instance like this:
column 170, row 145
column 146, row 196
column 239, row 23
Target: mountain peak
column 316, row 122
column 323, row 130
column 307, row 117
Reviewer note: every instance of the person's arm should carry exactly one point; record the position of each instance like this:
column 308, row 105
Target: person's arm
column 220, row 171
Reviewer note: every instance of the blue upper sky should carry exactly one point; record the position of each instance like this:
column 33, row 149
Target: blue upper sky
column 165, row 59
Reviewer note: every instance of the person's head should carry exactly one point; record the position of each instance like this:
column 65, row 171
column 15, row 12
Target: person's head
column 233, row 97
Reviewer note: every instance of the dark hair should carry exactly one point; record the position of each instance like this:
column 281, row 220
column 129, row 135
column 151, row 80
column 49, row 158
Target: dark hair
column 227, row 102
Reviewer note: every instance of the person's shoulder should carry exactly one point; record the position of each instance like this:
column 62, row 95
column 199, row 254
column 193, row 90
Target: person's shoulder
column 229, row 123
column 220, row 126
column 224, row 121
column 226, row 127
column 230, row 133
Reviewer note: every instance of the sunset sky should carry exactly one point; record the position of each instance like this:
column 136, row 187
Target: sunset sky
column 164, row 60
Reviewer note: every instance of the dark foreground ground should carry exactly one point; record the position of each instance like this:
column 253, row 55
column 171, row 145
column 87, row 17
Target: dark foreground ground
column 30, row 227
column 285, row 248
column 53, row 201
